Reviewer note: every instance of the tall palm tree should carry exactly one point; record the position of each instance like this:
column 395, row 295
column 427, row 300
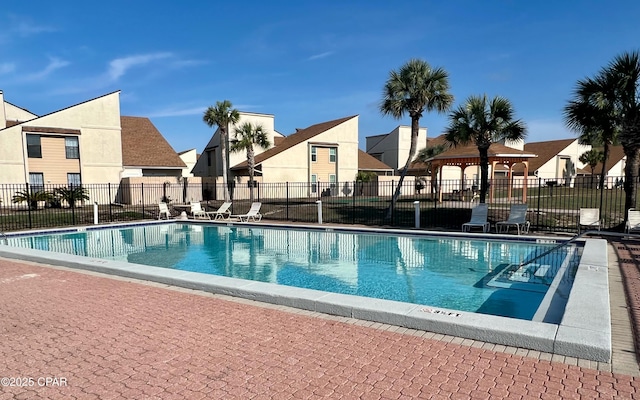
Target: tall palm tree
column 593, row 114
column 483, row 122
column 222, row 115
column 624, row 71
column 592, row 158
column 248, row 136
column 415, row 88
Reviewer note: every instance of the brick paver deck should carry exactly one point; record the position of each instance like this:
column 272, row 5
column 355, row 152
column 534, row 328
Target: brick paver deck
column 109, row 338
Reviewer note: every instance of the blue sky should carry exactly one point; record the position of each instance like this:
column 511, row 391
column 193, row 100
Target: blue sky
column 305, row 62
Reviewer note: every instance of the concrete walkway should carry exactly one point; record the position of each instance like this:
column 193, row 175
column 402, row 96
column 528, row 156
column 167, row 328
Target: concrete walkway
column 109, row 338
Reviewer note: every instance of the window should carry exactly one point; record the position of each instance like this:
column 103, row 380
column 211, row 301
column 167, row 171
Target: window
column 332, row 178
column 314, row 154
column 34, row 150
column 208, row 158
column 73, row 179
column 332, row 154
column 314, row 183
column 36, row 181
column 71, row 147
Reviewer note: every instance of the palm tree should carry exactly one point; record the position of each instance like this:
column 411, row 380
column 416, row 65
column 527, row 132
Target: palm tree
column 363, row 177
column 71, row 195
column 426, row 153
column 222, row 115
column 415, row 88
column 31, row 197
column 593, row 114
column 483, row 122
column 592, row 158
column 248, row 136
column 624, row 71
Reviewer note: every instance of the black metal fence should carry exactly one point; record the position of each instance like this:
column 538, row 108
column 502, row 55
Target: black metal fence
column 553, row 204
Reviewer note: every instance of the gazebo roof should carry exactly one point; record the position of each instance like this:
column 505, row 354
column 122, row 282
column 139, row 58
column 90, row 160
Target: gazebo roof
column 469, row 155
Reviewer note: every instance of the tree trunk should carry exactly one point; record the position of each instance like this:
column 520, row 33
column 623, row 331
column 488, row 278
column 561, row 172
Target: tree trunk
column 223, row 150
column 415, row 129
column 484, row 172
column 251, row 161
column 631, row 178
column 605, row 157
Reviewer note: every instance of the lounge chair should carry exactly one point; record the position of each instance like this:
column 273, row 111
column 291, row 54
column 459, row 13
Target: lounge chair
column 198, row 212
column 633, row 221
column 224, row 212
column 589, row 218
column 164, row 210
column 479, row 215
column 517, row 218
column 252, row 214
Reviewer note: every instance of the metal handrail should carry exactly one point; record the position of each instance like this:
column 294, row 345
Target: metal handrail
column 573, row 239
column 4, row 237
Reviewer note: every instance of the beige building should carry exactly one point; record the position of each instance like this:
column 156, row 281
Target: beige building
column 87, row 143
column 393, row 148
column 314, row 159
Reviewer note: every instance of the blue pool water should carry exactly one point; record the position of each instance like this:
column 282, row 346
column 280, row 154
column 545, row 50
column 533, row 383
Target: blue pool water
column 460, row 274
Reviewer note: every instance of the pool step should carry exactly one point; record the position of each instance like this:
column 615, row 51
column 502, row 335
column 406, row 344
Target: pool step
column 532, row 277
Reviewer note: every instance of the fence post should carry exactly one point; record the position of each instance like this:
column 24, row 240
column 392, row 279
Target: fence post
column 287, row 185
column 319, row 203
column 416, row 206
column 110, row 204
column 538, row 213
column 29, row 205
column 142, row 197
column 353, row 210
column 95, row 213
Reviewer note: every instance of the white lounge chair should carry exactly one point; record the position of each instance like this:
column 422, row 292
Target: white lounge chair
column 517, row 218
column 633, row 221
column 479, row 216
column 224, row 212
column 164, row 210
column 198, row 212
column 252, row 214
column 589, row 218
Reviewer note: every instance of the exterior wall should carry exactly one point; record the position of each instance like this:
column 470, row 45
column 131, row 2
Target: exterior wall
column 99, row 141
column 54, row 164
column 189, row 158
column 556, row 167
column 394, row 148
column 322, row 167
column 13, row 113
column 13, row 152
column 201, row 168
column 617, row 169
column 293, row 165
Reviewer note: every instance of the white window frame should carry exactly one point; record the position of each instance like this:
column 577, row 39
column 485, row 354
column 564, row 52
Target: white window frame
column 314, row 153
column 333, row 153
column 314, row 183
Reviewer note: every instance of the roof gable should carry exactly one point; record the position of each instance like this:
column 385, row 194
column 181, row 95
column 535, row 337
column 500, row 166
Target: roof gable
column 300, row 136
column 144, row 146
column 546, row 151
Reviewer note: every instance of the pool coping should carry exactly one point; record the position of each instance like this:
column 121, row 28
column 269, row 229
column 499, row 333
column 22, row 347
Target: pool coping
column 584, row 332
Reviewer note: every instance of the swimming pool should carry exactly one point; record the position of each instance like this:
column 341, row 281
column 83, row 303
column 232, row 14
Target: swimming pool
column 573, row 318
column 453, row 273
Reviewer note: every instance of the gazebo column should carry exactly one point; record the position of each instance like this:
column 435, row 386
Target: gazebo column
column 526, row 181
column 510, row 179
column 463, row 166
column 493, row 174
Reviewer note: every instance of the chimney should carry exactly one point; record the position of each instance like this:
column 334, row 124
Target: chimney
column 3, row 116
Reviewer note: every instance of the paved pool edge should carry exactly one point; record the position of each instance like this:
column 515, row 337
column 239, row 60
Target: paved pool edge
column 585, row 330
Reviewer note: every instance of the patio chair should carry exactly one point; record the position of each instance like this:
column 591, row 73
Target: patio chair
column 517, row 218
column 252, row 214
column 589, row 218
column 633, row 221
column 224, row 212
column 198, row 212
column 164, row 210
column 479, row 216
